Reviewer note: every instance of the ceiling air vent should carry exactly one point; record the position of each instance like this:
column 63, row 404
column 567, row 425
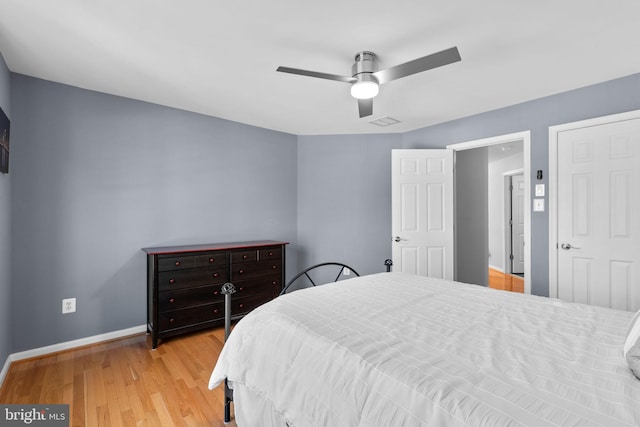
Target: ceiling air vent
column 384, row 121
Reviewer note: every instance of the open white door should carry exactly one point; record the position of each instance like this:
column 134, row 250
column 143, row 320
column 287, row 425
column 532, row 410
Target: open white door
column 422, row 212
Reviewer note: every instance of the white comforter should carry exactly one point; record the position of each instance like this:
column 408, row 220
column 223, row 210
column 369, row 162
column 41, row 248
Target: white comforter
column 399, row 350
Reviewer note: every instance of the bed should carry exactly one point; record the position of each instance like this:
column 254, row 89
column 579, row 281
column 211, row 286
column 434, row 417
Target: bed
column 393, row 349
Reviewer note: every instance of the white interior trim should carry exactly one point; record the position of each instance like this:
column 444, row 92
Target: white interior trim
column 54, row 348
column 493, row 267
column 525, row 138
column 5, row 370
column 554, row 131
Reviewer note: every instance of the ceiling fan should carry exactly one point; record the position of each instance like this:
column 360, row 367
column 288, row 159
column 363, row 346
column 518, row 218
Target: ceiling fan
column 365, row 77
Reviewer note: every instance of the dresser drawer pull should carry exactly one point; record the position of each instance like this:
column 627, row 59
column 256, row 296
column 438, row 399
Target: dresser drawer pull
column 172, row 281
column 270, row 253
column 274, row 283
column 216, row 292
column 212, row 260
column 273, row 267
column 178, row 263
column 172, row 300
column 172, row 320
column 244, row 257
column 216, row 311
column 241, row 305
column 240, row 271
column 215, row 274
column 241, row 288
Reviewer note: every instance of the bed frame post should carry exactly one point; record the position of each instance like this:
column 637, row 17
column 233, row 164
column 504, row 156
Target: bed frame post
column 227, row 290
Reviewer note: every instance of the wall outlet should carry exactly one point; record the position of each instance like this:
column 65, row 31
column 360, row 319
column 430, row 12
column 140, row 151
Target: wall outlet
column 68, row 305
column 346, row 271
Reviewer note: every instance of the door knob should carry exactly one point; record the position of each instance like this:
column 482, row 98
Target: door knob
column 567, row 246
column 398, row 238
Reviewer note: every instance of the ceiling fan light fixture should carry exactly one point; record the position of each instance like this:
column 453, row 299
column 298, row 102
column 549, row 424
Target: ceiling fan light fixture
column 365, row 88
column 365, row 76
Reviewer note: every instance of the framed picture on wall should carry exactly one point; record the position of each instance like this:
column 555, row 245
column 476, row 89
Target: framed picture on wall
column 4, row 142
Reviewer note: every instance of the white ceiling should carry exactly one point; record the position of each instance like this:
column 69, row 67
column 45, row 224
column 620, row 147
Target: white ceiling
column 219, row 57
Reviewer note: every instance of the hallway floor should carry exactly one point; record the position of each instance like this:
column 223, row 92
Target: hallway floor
column 505, row 282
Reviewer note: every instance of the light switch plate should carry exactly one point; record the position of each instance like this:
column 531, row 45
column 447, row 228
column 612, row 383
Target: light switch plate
column 538, row 205
column 539, row 190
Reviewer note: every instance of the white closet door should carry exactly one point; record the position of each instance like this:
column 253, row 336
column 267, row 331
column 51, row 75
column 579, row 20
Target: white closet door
column 598, row 222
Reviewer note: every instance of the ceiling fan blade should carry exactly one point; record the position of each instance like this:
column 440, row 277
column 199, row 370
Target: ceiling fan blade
column 345, row 79
column 365, row 107
column 425, row 63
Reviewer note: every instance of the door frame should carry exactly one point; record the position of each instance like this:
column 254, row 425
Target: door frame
column 554, row 131
column 525, row 138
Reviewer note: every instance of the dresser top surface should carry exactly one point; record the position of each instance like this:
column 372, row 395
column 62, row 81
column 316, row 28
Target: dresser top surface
column 212, row 246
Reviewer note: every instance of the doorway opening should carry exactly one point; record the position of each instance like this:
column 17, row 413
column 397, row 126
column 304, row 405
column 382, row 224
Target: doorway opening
column 507, row 156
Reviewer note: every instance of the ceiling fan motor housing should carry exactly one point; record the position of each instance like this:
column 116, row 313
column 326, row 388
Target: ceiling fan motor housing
column 365, row 64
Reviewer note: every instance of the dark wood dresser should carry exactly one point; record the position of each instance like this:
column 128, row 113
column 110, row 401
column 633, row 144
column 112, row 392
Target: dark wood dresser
column 184, row 283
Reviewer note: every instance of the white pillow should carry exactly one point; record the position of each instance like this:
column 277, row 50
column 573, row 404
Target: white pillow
column 632, row 345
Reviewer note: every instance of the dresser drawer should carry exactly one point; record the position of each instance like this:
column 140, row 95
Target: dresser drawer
column 190, row 316
column 244, row 305
column 271, row 285
column 182, row 262
column 270, row 253
column 193, row 277
column 244, row 256
column 255, row 269
column 212, row 259
column 183, row 298
column 176, row 263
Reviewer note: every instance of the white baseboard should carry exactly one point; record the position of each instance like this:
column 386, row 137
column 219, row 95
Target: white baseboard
column 27, row 354
column 5, row 369
column 493, row 267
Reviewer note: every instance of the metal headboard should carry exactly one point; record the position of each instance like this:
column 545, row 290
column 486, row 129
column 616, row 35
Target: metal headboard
column 306, row 274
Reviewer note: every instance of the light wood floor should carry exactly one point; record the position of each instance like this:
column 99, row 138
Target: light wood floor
column 505, row 282
column 124, row 383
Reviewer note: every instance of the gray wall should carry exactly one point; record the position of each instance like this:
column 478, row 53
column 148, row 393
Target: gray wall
column 606, row 98
column 97, row 177
column 472, row 216
column 344, row 200
column 94, row 178
column 5, row 228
